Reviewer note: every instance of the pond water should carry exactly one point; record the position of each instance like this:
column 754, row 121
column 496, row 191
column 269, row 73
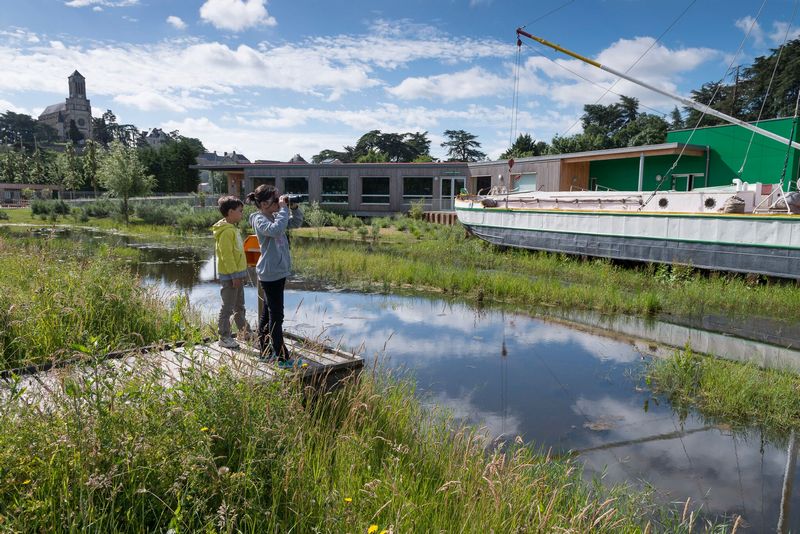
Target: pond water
column 561, row 386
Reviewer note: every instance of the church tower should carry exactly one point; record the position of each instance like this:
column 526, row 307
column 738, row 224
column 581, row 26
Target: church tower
column 78, row 107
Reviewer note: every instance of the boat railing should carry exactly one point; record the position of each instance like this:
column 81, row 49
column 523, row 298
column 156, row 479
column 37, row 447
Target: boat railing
column 770, row 202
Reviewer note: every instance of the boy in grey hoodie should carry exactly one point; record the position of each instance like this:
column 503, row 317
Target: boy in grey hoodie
column 270, row 223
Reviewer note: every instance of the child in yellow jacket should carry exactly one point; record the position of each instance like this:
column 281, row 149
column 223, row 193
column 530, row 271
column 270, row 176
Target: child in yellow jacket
column 232, row 270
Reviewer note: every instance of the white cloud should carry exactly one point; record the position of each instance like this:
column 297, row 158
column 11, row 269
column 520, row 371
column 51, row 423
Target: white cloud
column 152, row 101
column 19, row 35
column 236, row 15
column 473, row 83
column 779, row 32
column 97, row 9
column 176, row 22
column 661, row 67
column 750, row 24
column 106, row 3
column 5, row 105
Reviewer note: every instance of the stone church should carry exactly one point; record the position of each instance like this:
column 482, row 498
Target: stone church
column 76, row 108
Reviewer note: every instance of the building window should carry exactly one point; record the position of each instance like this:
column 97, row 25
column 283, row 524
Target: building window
column 81, row 122
column 296, row 186
column 416, row 188
column 526, row 182
column 375, row 190
column 262, row 180
column 334, row 190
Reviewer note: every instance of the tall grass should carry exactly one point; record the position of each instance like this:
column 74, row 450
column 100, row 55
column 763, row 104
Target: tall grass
column 222, row 453
column 445, row 260
column 741, row 394
column 56, row 301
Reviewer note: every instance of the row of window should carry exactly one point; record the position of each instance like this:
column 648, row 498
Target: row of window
column 374, row 190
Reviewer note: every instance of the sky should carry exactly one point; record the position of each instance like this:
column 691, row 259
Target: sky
column 274, row 78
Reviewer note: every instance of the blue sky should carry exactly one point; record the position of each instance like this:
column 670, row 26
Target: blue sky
column 273, row 78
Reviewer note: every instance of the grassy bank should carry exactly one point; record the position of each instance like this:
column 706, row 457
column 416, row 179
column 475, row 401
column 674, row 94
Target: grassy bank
column 446, row 261
column 219, row 454
column 739, row 394
column 59, row 299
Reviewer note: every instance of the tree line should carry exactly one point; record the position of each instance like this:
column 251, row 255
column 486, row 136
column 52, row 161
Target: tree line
column 30, row 153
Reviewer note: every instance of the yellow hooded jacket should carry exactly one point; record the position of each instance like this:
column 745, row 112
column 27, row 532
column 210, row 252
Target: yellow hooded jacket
column 231, row 262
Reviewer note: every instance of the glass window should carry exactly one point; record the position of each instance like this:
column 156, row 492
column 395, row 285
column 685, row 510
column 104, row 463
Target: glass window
column 415, row 188
column 334, row 190
column 262, row 180
column 375, row 190
column 296, row 186
column 526, row 182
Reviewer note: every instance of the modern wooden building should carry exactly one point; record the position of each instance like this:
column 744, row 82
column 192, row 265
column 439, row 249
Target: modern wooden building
column 704, row 157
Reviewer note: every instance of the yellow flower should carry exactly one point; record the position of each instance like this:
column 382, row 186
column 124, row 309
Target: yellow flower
column 348, row 499
column 304, row 365
column 204, row 429
column 384, row 532
column 372, row 529
column 26, row 482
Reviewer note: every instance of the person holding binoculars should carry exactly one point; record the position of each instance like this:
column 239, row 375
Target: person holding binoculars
column 276, row 213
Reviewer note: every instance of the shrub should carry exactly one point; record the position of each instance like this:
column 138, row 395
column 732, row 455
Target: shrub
column 417, row 210
column 49, row 207
column 3, row 216
column 160, row 214
column 100, row 208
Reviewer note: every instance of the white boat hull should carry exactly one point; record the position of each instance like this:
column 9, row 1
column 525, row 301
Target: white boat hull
column 763, row 244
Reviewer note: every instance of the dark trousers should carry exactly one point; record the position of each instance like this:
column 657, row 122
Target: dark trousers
column 270, row 327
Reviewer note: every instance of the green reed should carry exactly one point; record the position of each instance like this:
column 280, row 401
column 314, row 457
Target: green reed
column 223, row 453
column 739, row 394
column 445, row 261
column 59, row 300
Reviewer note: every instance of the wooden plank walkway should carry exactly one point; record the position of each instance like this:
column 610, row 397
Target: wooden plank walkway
column 323, row 366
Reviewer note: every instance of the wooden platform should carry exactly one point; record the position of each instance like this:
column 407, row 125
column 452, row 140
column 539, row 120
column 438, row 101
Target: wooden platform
column 322, row 365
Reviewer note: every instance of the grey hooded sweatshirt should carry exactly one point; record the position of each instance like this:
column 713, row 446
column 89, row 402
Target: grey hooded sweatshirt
column 275, row 262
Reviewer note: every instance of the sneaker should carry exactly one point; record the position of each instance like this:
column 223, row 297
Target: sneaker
column 291, row 363
column 228, row 343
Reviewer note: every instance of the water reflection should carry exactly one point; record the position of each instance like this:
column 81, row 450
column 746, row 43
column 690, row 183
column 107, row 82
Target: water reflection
column 563, row 388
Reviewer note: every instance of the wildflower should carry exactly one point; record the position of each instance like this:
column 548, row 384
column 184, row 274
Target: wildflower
column 372, row 529
column 204, row 429
column 26, row 482
column 348, row 500
column 304, row 365
column 384, row 531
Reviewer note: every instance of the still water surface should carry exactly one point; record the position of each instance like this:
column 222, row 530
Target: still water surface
column 559, row 387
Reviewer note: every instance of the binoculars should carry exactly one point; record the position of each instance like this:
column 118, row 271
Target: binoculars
column 294, row 199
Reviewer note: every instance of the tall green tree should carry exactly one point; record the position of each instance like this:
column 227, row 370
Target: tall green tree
column 524, row 147
column 613, row 126
column 71, row 168
column 462, row 146
column 23, row 131
column 91, row 161
column 124, row 176
column 676, row 120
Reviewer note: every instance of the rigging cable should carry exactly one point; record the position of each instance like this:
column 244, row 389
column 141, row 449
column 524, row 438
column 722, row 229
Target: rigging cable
column 708, row 105
column 654, row 43
column 766, row 95
column 515, row 97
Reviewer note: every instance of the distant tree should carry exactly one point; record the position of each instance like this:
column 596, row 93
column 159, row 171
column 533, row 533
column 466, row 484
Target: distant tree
column 462, row 146
column 74, row 134
column 676, row 119
column 368, row 141
column 781, row 98
column 419, row 144
column 23, row 131
column 331, row 154
column 613, row 126
column 525, row 147
column 373, row 156
column 71, row 168
column 717, row 96
column 123, row 175
column 91, row 161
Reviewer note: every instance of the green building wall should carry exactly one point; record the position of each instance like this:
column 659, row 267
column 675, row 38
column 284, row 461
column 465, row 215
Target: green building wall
column 728, row 145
